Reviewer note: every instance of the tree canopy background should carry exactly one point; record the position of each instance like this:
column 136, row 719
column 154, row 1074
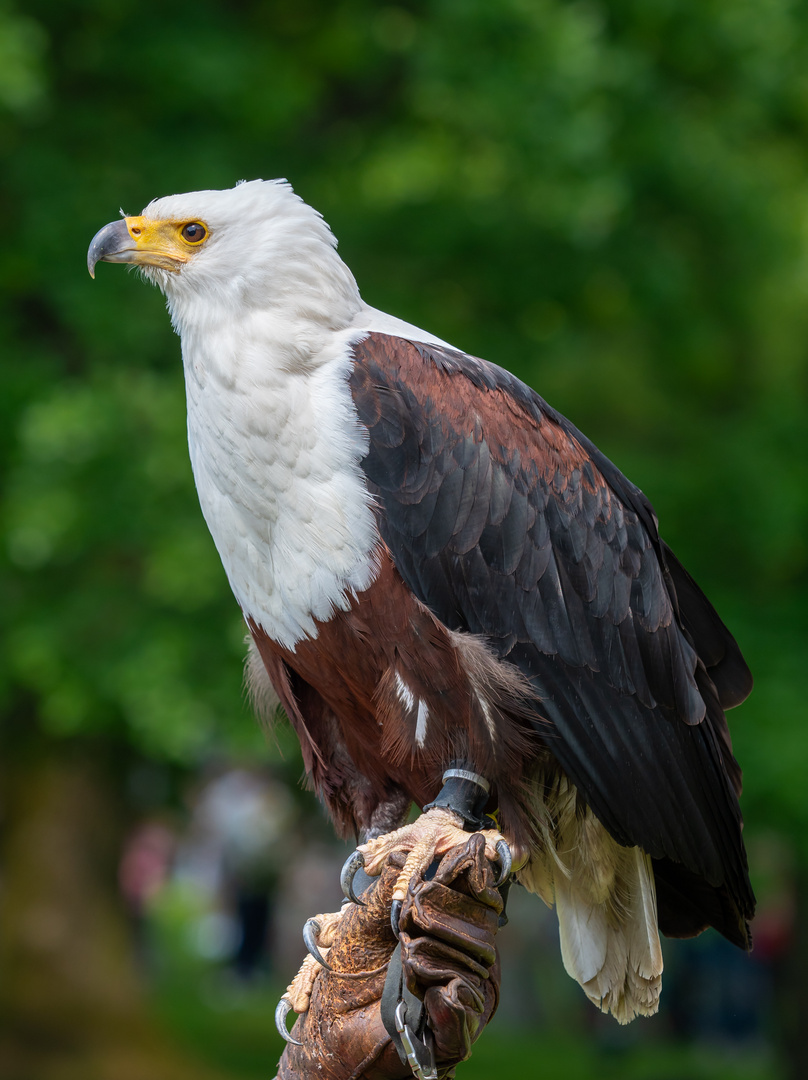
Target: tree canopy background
column 610, row 199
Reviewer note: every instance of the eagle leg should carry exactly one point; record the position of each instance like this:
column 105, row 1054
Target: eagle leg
column 430, row 837
column 458, row 810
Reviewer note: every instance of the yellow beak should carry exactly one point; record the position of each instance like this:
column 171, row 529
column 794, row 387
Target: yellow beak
column 138, row 241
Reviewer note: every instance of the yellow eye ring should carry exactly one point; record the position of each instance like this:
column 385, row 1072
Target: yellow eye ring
column 194, row 232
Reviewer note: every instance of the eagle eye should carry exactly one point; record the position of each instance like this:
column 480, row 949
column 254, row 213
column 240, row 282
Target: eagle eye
column 194, row 232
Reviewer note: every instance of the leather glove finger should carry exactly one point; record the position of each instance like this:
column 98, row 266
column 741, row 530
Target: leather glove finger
column 449, row 957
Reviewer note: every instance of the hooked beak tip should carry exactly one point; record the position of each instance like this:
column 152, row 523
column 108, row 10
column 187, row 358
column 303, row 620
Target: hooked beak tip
column 110, row 244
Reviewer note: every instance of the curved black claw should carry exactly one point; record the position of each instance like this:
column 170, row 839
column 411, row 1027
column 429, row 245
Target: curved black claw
column 354, row 862
column 311, row 931
column 505, row 862
column 395, row 916
column 282, row 1010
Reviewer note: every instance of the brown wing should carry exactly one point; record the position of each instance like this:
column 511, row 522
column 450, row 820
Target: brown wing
column 508, row 523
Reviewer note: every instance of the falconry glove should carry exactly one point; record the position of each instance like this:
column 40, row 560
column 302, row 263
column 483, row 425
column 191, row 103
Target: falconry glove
column 443, row 994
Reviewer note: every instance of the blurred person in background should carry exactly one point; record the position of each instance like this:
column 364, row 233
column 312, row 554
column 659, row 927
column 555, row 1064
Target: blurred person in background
column 237, row 843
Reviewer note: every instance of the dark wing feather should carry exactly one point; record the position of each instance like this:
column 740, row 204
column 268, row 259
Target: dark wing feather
column 507, row 522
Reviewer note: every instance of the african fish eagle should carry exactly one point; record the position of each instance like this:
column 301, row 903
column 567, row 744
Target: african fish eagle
column 435, row 566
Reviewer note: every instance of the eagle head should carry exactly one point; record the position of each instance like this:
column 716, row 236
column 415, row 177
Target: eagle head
column 254, row 246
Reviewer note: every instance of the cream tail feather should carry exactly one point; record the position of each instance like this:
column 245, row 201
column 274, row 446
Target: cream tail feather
column 605, row 898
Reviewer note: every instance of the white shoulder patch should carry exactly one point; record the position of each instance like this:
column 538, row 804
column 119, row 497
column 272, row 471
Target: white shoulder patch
column 371, row 319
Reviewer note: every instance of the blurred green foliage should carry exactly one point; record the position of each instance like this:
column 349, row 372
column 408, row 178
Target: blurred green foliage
column 609, row 198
